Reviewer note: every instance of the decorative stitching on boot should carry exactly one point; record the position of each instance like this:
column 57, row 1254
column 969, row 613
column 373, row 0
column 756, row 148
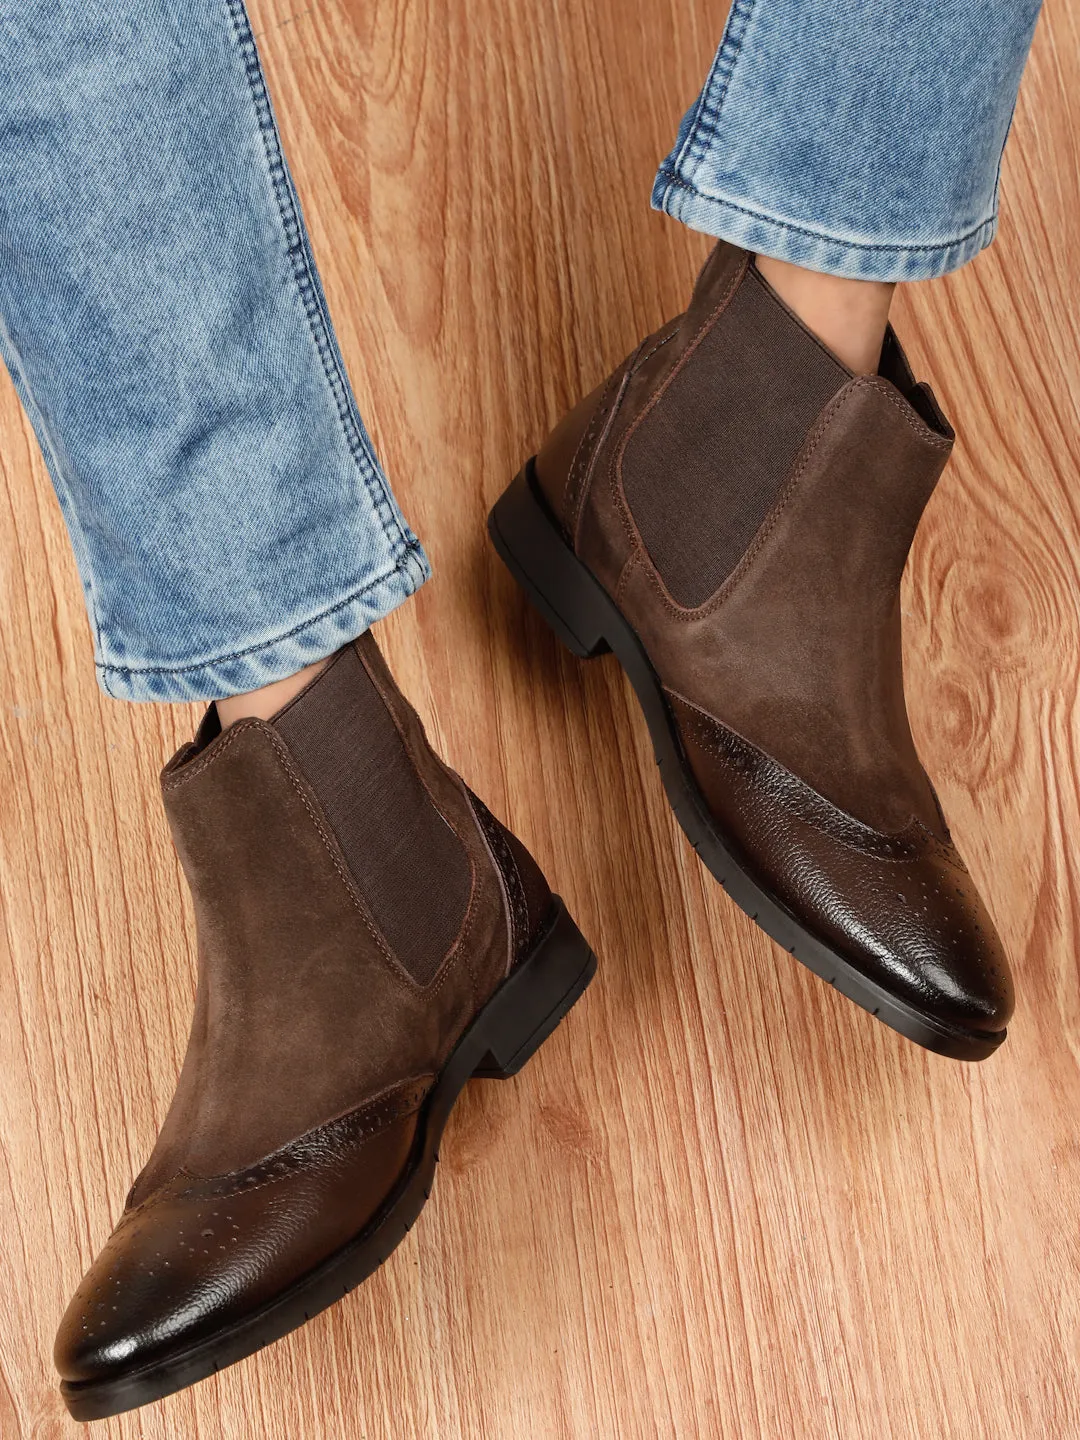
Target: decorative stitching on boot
column 622, row 508
column 243, row 727
column 330, row 842
column 591, row 462
column 172, row 780
column 607, row 407
column 814, row 438
column 583, row 455
column 633, row 561
column 396, row 1102
column 446, row 964
column 323, row 1143
column 808, row 805
column 666, row 340
column 508, row 870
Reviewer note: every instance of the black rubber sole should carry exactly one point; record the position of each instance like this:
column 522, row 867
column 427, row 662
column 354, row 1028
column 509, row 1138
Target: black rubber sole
column 587, row 621
column 511, row 1027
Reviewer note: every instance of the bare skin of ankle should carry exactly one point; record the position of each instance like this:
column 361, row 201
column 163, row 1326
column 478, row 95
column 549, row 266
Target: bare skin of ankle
column 849, row 316
column 267, row 701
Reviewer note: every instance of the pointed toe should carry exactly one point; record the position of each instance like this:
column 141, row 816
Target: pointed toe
column 894, row 921
column 133, row 1301
column 731, row 514
column 917, row 925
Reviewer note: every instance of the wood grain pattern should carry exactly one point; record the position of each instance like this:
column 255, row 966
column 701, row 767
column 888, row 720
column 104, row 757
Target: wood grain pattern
column 722, row 1202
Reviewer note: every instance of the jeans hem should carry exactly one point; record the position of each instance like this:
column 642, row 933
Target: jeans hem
column 732, row 220
column 261, row 663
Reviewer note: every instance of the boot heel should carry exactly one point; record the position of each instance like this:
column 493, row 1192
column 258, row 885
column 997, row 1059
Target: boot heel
column 529, row 543
column 537, row 994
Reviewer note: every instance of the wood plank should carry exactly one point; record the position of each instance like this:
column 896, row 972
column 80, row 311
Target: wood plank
column 721, row 1202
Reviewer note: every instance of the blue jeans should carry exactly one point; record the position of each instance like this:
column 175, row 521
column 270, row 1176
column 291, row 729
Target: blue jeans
column 861, row 139
column 162, row 318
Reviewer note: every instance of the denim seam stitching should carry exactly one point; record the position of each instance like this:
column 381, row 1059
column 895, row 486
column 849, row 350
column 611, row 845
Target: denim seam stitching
column 1001, row 156
column 698, row 108
column 305, row 278
column 399, row 568
column 765, row 219
column 703, row 128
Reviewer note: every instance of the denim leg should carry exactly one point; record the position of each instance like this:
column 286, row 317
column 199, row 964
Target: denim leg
column 857, row 137
column 163, row 321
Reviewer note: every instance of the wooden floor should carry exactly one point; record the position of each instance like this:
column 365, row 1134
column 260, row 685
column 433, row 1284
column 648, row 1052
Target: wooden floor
column 721, row 1202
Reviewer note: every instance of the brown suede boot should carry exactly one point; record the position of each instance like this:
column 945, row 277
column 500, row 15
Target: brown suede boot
column 370, row 937
column 731, row 513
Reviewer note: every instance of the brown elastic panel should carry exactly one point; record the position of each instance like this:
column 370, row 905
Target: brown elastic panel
column 406, row 861
column 705, row 465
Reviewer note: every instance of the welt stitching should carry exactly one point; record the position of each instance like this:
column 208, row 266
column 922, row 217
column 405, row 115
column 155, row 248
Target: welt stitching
column 304, row 274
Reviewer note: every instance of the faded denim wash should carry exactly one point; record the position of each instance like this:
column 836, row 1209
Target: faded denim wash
column 162, row 317
column 858, row 137
column 163, row 320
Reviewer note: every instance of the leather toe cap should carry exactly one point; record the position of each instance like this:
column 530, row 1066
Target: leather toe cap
column 900, row 908
column 199, row 1255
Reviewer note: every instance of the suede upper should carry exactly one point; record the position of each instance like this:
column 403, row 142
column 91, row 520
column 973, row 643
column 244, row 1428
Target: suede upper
column 314, row 1043
column 749, row 505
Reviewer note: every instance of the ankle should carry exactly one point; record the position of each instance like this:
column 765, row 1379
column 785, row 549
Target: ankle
column 849, row 316
column 265, row 702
